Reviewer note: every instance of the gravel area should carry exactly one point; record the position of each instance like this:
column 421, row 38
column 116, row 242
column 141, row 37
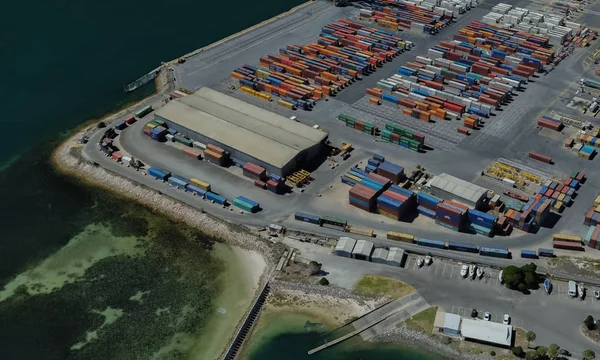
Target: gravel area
column 329, row 290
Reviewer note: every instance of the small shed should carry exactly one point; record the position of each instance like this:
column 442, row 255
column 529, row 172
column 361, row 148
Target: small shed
column 395, row 256
column 363, row 250
column 380, row 256
column 451, row 324
column 345, row 246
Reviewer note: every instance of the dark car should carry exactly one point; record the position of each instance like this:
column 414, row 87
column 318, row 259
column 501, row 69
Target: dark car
column 564, row 352
column 474, row 313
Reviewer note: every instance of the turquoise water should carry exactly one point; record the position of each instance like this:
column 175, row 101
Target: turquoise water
column 66, row 62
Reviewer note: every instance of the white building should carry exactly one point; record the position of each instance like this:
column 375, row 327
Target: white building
column 452, row 188
column 380, row 256
column 345, row 246
column 395, row 256
column 487, row 332
column 362, row 250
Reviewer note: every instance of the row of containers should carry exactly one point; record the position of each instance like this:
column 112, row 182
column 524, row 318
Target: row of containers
column 592, row 219
column 485, row 250
column 409, row 17
column 201, row 189
column 475, row 73
column 302, row 75
column 569, row 242
column 554, row 195
column 273, row 182
column 375, row 190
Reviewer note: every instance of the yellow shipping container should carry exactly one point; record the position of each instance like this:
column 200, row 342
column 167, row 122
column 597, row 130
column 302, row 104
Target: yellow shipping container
column 597, row 201
column 558, row 205
column 201, row 184
column 150, row 125
column 561, row 197
column 407, row 238
column 355, row 178
column 597, row 209
column 563, row 237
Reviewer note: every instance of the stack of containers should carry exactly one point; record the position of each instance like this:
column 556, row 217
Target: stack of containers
column 359, row 125
column 587, row 152
column 246, row 204
column 481, row 222
column 276, row 187
column 216, row 155
column 158, row 133
column 182, row 140
column 427, row 204
column 254, row 171
column 550, row 123
column 592, row 217
column 403, row 137
column 372, row 165
column 192, row 153
column 393, row 172
column 592, row 236
column 392, row 205
column 450, row 216
column 121, row 125
column 363, row 197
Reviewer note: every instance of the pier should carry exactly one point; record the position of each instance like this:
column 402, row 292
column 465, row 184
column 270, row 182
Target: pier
column 244, row 329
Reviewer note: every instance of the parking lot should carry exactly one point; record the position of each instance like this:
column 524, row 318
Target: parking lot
column 450, row 270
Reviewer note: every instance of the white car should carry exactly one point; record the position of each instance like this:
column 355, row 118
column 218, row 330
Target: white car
column 464, row 270
column 500, row 277
column 428, row 260
column 420, row 262
column 487, row 316
column 506, row 319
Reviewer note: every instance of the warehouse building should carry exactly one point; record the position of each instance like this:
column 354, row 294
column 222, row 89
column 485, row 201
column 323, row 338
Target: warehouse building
column 380, row 256
column 247, row 132
column 487, row 332
column 395, row 256
column 362, row 250
column 447, row 323
column 344, row 246
column 452, row 188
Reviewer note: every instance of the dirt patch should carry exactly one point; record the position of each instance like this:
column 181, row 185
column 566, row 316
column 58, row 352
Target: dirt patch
column 583, row 266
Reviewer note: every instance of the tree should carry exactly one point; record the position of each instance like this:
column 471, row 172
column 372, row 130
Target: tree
column 541, row 351
column 314, row 267
column 589, row 322
column 513, row 276
column 553, row 351
column 492, row 353
column 324, row 281
column 530, row 336
column 522, row 287
column 531, row 355
column 518, row 351
column 589, row 355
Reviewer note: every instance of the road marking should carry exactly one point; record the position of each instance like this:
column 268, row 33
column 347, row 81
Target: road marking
column 415, row 265
column 444, row 271
column 451, row 271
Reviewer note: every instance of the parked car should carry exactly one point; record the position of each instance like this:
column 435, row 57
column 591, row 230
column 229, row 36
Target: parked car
column 506, row 319
column 464, row 270
column 428, row 260
column 420, row 262
column 597, row 294
column 474, row 313
column 564, row 352
column 487, row 316
column 500, row 277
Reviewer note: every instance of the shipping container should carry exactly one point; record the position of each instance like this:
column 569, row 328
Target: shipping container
column 545, row 252
column 240, row 203
column 195, row 190
column 201, row 184
column 159, row 173
column 564, row 237
column 121, row 125
column 178, row 181
column 143, row 111
column 530, row 254
column 407, row 238
column 431, row 243
column 567, row 245
column 313, row 219
column 494, row 251
column 192, row 153
column 216, row 198
column 452, row 245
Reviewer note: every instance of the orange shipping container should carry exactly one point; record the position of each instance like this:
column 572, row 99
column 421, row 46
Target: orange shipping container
column 374, row 101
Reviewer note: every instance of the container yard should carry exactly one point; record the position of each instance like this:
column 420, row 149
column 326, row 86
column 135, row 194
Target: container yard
column 276, row 110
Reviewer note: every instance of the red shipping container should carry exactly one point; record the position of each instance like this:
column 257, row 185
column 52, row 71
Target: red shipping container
column 447, row 221
column 215, row 149
column 548, row 193
column 362, row 192
column 378, row 178
column 191, row 153
column 580, row 177
column 259, row 184
column 116, row 156
column 559, row 188
column 441, row 207
column 540, row 157
column 463, row 131
column 455, row 204
column 396, row 196
column 555, row 195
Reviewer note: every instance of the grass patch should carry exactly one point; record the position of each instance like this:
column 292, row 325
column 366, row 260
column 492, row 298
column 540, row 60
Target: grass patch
column 423, row 321
column 377, row 286
column 521, row 338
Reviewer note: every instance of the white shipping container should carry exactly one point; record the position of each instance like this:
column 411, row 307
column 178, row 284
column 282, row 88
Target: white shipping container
column 170, row 137
column 126, row 160
column 199, row 145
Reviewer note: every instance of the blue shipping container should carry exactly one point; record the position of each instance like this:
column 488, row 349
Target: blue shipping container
column 371, row 184
column 248, row 201
column 425, row 211
column 373, row 162
column 346, row 180
column 178, row 181
column 431, row 243
column 392, row 168
column 379, row 157
column 427, row 199
column 462, row 247
column 494, row 251
column 389, row 202
column 195, row 190
column 275, row 177
column 313, row 219
column 359, row 171
column 531, row 254
column 546, row 252
column 402, row 191
column 121, row 125
column 158, row 173
column 358, row 175
column 354, row 200
column 216, row 198
column 481, row 230
column 481, row 218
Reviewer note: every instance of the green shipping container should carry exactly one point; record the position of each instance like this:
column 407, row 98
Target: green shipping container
column 160, row 122
column 183, row 141
column 144, row 111
column 243, row 205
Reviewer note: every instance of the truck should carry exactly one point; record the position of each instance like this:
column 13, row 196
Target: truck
column 572, row 289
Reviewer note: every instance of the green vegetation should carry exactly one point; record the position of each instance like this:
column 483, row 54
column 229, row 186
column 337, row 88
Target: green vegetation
column 530, row 337
column 589, row 322
column 553, row 351
column 522, row 279
column 541, row 351
column 423, row 321
column 492, row 353
column 314, row 267
column 377, row 286
column 518, row 351
column 324, row 281
column 589, row 355
column 531, row 355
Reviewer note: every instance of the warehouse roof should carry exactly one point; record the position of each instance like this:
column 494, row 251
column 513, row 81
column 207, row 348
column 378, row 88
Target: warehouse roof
column 452, row 321
column 345, row 244
column 458, row 187
column 363, row 247
column 262, row 134
column 487, row 331
column 380, row 253
column 395, row 254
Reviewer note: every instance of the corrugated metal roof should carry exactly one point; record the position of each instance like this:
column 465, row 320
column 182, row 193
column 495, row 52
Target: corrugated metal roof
column 487, row 331
column 264, row 135
column 395, row 254
column 363, row 247
column 460, row 188
column 345, row 244
column 380, row 253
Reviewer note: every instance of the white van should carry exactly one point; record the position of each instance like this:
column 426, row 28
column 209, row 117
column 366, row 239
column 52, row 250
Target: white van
column 572, row 289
